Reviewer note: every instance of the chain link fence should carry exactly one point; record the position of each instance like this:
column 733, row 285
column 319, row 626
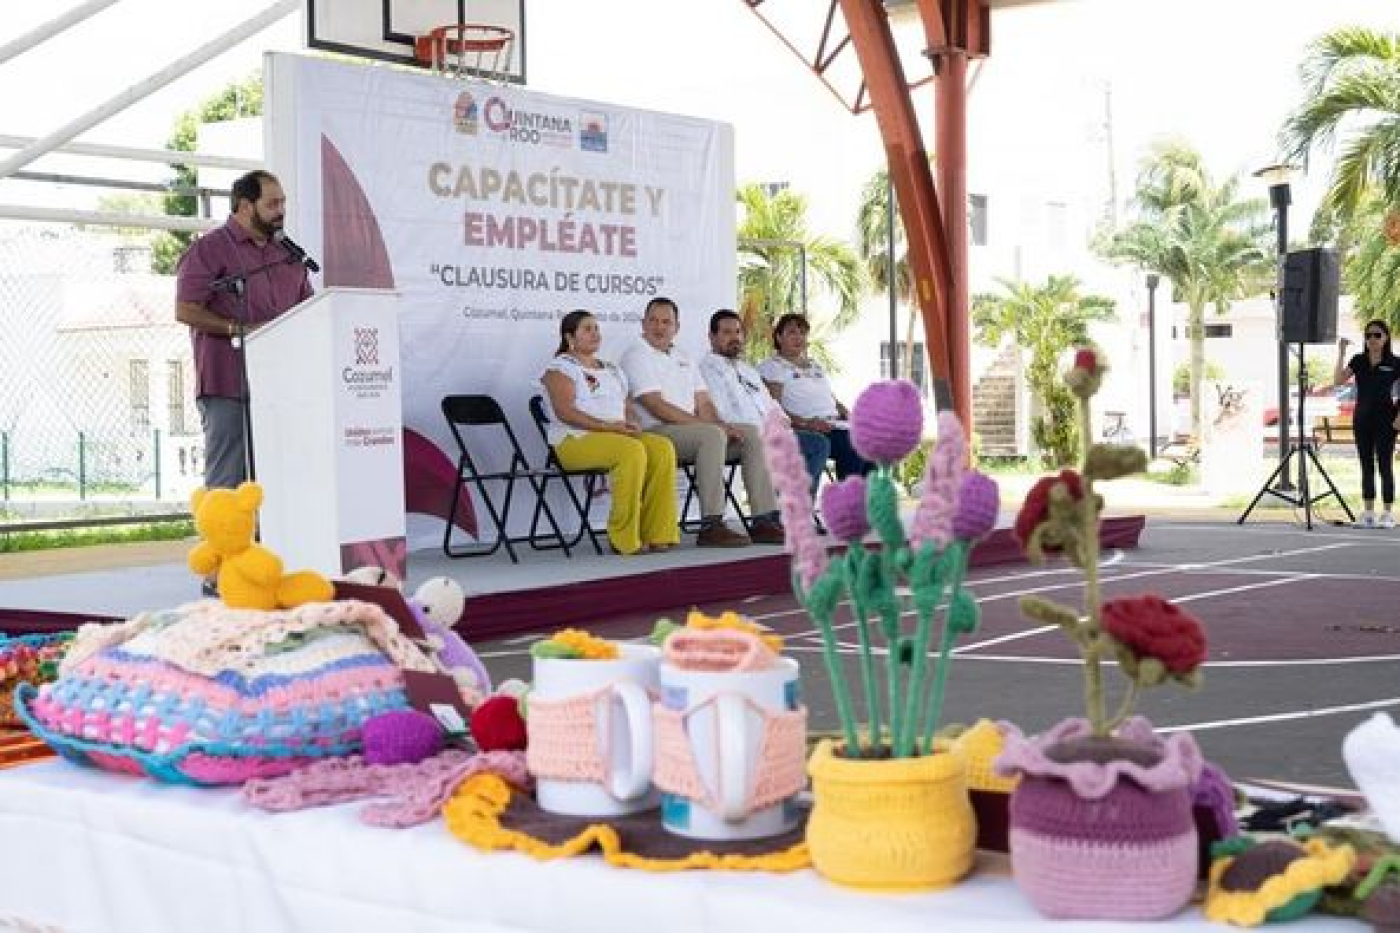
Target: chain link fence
column 97, row 411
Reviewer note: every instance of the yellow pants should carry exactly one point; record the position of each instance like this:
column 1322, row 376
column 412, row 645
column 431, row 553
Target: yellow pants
column 642, row 478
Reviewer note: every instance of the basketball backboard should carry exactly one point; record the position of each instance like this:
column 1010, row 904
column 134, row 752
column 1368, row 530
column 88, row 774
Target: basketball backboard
column 385, row 30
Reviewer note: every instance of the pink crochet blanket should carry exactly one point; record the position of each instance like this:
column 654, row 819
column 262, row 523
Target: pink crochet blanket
column 415, row 792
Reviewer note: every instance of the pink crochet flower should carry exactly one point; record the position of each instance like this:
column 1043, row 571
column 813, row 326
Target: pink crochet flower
column 978, row 504
column 843, row 508
column 792, row 484
column 933, row 519
column 887, row 421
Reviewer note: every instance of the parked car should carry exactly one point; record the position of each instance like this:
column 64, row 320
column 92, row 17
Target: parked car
column 1328, row 400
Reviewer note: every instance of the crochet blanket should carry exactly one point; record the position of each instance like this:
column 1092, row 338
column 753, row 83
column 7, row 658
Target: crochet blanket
column 205, row 694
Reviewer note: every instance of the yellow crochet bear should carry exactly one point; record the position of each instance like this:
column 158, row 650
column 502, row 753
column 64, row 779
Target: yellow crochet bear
column 250, row 576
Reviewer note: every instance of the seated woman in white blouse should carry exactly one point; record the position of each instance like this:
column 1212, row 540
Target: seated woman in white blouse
column 801, row 386
column 591, row 427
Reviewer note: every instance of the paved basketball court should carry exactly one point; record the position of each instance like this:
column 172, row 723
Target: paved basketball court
column 1304, row 632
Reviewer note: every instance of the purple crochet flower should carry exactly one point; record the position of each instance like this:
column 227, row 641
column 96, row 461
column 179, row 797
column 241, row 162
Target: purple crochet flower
column 978, row 504
column 887, row 421
column 791, row 483
column 843, row 508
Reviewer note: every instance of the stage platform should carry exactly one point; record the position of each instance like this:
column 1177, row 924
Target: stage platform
column 545, row 590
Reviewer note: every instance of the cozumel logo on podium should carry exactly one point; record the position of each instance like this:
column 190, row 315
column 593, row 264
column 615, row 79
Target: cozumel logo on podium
column 366, row 346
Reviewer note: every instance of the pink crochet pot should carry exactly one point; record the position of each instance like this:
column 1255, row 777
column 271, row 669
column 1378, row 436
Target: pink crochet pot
column 1102, row 829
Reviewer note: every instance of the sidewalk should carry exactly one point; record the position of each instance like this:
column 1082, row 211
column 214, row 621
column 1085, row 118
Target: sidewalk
column 1136, row 496
column 1130, row 496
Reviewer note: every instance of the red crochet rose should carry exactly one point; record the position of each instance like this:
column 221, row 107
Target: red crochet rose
column 1151, row 627
column 1086, row 358
column 1036, row 509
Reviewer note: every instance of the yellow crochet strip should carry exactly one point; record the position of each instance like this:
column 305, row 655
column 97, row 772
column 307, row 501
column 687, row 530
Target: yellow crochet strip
column 1324, row 865
column 474, row 816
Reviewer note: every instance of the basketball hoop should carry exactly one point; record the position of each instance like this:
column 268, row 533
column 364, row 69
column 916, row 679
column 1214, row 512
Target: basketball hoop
column 464, row 50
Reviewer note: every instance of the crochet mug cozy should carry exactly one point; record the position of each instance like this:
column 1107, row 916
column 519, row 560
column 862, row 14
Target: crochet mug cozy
column 590, row 732
column 205, row 694
column 730, row 749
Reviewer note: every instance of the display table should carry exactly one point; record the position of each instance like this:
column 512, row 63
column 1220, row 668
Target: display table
column 82, row 850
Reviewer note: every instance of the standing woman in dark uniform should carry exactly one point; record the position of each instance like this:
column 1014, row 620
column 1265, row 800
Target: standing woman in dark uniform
column 1375, row 421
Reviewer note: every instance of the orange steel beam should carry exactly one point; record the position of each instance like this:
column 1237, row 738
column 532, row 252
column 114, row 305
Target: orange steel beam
column 930, row 260
column 955, row 30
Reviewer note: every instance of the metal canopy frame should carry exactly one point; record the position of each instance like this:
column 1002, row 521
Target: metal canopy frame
column 827, row 35
column 61, row 139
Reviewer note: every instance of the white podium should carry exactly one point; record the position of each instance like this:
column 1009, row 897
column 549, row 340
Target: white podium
column 324, row 382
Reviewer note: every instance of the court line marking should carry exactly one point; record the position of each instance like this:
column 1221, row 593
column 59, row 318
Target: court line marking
column 1077, row 582
column 1214, row 665
column 1311, row 574
column 962, row 650
column 1280, row 717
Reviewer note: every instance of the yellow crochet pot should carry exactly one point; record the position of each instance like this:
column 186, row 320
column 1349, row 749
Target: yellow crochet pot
column 891, row 825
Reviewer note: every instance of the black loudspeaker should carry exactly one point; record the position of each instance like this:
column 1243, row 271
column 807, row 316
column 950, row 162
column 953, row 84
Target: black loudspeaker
column 1311, row 280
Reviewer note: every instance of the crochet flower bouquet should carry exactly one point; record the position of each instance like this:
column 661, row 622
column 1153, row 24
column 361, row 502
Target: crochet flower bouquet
column 1101, row 821
column 901, row 668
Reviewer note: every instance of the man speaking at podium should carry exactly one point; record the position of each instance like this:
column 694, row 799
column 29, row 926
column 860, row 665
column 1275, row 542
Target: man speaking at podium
column 228, row 283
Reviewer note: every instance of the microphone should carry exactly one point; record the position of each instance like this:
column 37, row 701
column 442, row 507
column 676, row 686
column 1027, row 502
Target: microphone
column 296, row 253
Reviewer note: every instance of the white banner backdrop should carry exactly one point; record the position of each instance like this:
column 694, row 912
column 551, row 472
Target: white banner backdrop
column 494, row 211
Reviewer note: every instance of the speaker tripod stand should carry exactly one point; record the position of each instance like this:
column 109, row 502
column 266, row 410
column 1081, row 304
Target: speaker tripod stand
column 1306, row 452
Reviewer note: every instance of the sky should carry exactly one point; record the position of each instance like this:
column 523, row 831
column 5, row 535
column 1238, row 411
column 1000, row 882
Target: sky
column 1221, row 74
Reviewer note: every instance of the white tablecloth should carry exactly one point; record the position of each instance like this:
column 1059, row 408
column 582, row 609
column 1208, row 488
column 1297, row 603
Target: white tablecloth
column 82, row 850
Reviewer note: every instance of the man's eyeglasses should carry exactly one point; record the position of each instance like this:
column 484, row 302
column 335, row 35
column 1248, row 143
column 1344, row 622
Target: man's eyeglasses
column 1375, row 335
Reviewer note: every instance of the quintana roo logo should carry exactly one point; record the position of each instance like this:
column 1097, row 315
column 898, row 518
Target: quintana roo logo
column 465, row 113
column 366, row 346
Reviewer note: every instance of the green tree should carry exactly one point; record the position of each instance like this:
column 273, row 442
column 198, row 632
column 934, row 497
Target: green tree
column 1181, row 377
column 1046, row 320
column 773, row 241
column 239, row 99
column 1351, row 103
column 1210, row 244
column 873, row 246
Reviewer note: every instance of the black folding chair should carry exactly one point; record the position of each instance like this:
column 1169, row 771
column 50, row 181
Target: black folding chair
column 591, row 478
column 466, row 413
column 731, row 470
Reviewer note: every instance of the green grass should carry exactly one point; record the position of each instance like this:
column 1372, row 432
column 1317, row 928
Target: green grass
column 15, row 542
column 1345, row 473
column 1011, row 466
column 1180, row 474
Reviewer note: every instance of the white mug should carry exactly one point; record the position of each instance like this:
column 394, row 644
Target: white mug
column 725, row 737
column 622, row 711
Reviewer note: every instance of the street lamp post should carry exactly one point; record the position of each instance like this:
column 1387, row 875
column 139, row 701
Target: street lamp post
column 1152, row 280
column 891, row 273
column 1277, row 177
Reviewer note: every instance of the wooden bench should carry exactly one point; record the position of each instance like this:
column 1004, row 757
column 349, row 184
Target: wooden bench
column 1182, row 449
column 1333, row 429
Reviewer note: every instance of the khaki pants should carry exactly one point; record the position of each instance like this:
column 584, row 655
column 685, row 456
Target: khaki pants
column 706, row 446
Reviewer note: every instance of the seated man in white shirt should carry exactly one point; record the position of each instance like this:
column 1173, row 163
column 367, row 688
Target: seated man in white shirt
column 671, row 399
column 735, row 387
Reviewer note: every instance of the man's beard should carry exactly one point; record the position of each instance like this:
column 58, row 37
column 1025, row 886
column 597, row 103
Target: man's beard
column 264, row 227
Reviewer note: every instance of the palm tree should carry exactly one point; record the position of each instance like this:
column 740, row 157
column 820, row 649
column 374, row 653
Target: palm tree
column 774, row 245
column 1201, row 237
column 1351, row 81
column 1046, row 320
column 1351, row 88
column 873, row 246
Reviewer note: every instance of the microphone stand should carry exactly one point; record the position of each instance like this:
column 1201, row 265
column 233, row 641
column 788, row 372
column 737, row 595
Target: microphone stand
column 237, row 285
